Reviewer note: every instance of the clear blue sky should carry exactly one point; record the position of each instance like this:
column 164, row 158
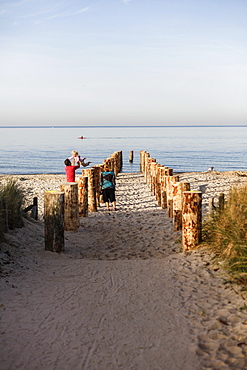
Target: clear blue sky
column 123, row 62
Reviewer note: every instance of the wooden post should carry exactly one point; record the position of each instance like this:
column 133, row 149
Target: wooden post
column 83, row 196
column 169, row 181
column 153, row 170
column 71, row 206
column 211, row 206
column 163, row 199
column 114, row 163
column 131, row 156
column 156, row 181
column 158, row 184
column 142, row 161
column 163, row 188
column 119, row 161
column 191, row 219
column 169, row 171
column 149, row 172
column 146, row 157
column 54, row 221
column 92, row 204
column 178, row 189
column 97, row 174
column 34, row 212
column 221, row 201
column 113, row 168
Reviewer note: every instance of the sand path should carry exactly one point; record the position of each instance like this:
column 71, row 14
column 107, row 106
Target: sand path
column 122, row 296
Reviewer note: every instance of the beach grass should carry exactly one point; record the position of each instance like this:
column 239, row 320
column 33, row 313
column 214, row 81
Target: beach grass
column 225, row 234
column 11, row 207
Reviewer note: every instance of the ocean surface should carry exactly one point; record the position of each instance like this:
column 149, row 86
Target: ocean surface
column 35, row 150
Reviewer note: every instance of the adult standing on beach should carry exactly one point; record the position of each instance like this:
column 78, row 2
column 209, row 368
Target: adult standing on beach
column 70, row 170
column 108, row 185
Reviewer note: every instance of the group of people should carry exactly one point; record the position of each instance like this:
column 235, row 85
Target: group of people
column 107, row 180
column 72, row 163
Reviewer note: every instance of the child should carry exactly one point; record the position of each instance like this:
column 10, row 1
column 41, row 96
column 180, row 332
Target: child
column 77, row 160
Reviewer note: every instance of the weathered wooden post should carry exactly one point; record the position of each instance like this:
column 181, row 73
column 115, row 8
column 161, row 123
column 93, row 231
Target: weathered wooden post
column 191, row 219
column 211, row 206
column 163, row 199
column 169, row 181
column 158, row 193
column 153, row 169
column 71, row 206
column 178, row 189
column 97, row 183
column 142, row 161
column 34, row 212
column 92, row 204
column 221, row 201
column 114, row 165
column 157, row 181
column 131, row 156
column 159, row 184
column 54, row 221
column 169, row 171
column 163, row 188
column 119, row 161
column 149, row 173
column 147, row 156
column 83, row 196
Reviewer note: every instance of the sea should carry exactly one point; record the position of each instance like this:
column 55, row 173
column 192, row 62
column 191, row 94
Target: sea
column 37, row 150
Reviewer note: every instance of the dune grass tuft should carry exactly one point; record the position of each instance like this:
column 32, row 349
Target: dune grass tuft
column 11, row 207
column 225, row 234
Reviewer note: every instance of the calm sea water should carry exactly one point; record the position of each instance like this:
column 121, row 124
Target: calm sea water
column 43, row 150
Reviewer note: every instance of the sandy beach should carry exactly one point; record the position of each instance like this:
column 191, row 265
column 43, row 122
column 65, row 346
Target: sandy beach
column 122, row 295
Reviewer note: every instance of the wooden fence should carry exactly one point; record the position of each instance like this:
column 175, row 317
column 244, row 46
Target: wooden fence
column 74, row 200
column 183, row 205
column 11, row 213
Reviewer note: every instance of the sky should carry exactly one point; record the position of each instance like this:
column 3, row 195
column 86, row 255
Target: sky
column 123, row 62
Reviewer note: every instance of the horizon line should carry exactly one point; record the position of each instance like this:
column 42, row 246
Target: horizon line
column 118, row 126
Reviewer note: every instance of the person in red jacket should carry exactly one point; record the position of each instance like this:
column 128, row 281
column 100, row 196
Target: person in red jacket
column 70, row 170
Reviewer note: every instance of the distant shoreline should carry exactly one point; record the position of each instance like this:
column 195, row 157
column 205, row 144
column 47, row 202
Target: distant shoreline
column 122, row 126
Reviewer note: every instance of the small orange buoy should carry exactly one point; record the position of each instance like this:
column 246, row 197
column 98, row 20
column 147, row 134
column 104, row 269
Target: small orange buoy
column 81, row 137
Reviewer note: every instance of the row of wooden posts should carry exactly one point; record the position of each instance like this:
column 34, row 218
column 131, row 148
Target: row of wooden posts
column 183, row 205
column 62, row 209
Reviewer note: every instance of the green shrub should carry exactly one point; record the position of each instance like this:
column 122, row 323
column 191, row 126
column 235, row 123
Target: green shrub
column 225, row 233
column 11, row 203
